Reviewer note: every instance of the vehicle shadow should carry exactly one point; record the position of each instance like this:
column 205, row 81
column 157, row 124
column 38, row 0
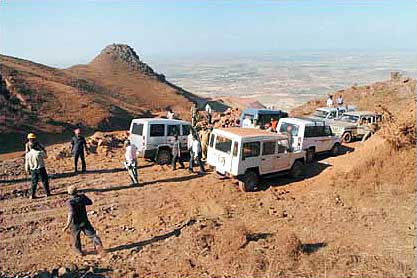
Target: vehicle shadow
column 311, row 170
column 176, row 232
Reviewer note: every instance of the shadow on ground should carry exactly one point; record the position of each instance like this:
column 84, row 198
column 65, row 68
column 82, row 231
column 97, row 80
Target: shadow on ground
column 137, row 245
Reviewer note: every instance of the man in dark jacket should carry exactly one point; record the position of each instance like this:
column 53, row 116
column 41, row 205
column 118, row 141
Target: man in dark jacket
column 78, row 145
column 78, row 220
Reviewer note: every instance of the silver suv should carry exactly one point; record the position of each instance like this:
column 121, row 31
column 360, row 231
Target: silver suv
column 353, row 125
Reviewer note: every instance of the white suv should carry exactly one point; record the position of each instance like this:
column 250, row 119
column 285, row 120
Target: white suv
column 310, row 135
column 247, row 154
column 154, row 137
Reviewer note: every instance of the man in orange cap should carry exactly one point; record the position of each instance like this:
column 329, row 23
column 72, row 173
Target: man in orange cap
column 78, row 145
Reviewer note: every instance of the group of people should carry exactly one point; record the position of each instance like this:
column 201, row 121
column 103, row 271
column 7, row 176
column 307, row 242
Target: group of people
column 339, row 101
column 77, row 220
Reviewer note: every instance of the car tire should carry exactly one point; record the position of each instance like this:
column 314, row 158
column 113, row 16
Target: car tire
column 297, row 170
column 248, row 182
column 310, row 155
column 335, row 150
column 163, row 157
column 347, row 137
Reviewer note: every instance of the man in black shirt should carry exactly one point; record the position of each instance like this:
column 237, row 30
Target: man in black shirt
column 78, row 145
column 78, row 220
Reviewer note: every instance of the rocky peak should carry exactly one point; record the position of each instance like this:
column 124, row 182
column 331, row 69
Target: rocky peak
column 127, row 55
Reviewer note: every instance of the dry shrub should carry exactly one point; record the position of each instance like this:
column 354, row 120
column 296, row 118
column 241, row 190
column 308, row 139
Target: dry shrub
column 400, row 130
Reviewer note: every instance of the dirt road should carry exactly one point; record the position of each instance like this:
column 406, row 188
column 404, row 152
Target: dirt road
column 344, row 219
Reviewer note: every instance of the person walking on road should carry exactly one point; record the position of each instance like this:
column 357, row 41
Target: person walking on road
column 176, row 154
column 35, row 165
column 78, row 222
column 196, row 155
column 78, row 145
column 131, row 162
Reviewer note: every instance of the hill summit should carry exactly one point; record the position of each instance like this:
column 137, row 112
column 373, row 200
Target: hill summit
column 103, row 95
column 125, row 55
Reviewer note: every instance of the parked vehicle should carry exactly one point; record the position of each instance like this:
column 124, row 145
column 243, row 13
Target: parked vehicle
column 310, row 135
column 247, row 154
column 154, row 137
column 330, row 113
column 353, row 125
column 262, row 116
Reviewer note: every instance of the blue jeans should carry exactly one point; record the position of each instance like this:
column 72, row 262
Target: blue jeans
column 198, row 158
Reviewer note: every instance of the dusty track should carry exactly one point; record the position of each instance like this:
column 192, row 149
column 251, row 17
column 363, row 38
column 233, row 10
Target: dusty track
column 179, row 224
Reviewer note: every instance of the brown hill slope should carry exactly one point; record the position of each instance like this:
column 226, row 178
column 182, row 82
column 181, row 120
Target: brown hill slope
column 103, row 95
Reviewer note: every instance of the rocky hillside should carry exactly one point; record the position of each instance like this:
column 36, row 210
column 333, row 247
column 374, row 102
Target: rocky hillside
column 102, row 95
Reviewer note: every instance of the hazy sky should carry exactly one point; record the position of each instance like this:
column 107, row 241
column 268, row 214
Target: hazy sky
column 66, row 32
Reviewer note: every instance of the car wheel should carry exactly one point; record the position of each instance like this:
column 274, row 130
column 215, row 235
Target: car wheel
column 335, row 150
column 310, row 155
column 297, row 170
column 347, row 137
column 163, row 157
column 248, row 182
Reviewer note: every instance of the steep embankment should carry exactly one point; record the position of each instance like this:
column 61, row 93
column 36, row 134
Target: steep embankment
column 103, row 95
column 352, row 216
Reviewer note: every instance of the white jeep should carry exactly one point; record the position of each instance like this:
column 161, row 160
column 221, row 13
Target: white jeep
column 247, row 154
column 310, row 135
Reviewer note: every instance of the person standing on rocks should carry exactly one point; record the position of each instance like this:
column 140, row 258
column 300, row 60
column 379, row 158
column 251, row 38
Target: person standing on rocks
column 35, row 165
column 329, row 101
column 78, row 222
column 78, row 145
column 194, row 112
column 131, row 162
column 339, row 101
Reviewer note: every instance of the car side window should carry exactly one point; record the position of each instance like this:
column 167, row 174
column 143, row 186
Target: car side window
column 252, row 149
column 283, row 146
column 211, row 143
column 173, row 130
column 235, row 148
column 157, row 130
column 137, row 129
column 185, row 130
column 328, row 131
column 268, row 147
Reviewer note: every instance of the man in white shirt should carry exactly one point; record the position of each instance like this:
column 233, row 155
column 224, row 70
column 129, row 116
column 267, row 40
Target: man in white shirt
column 196, row 154
column 35, row 165
column 339, row 101
column 131, row 162
column 329, row 101
column 170, row 114
column 247, row 122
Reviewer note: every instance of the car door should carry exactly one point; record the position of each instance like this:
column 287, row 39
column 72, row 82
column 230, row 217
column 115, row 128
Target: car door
column 268, row 156
column 282, row 157
column 172, row 130
column 185, row 131
column 322, row 139
column 250, row 154
column 156, row 135
column 136, row 135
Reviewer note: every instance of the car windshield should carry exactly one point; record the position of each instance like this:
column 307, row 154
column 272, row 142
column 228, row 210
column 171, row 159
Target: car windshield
column 320, row 113
column 349, row 118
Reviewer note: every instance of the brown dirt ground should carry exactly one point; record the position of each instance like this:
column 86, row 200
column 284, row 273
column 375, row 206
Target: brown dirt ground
column 344, row 219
